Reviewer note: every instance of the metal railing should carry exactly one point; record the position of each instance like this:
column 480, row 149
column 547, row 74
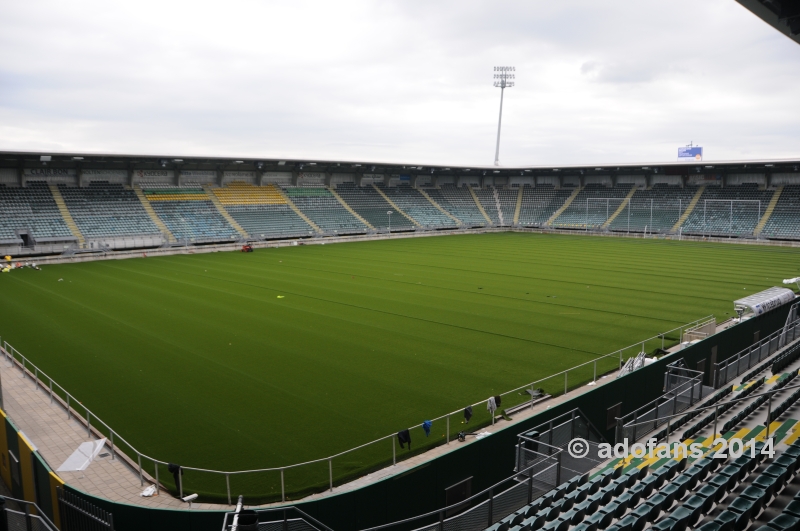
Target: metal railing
column 681, row 393
column 487, row 507
column 475, row 513
column 385, row 448
column 555, row 435
column 552, row 438
column 726, row 370
column 302, row 522
column 769, row 394
column 78, row 514
column 29, row 517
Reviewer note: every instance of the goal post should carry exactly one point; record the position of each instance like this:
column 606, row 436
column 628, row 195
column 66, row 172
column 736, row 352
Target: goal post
column 731, row 216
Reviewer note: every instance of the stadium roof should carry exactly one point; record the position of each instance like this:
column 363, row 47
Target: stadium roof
column 22, row 160
column 783, row 15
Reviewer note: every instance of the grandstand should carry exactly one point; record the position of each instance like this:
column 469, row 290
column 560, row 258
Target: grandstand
column 540, row 203
column 372, row 207
column 784, row 222
column 103, row 210
column 413, row 203
column 33, row 212
column 262, row 211
column 319, row 204
column 728, row 211
column 460, row 203
column 507, row 199
column 491, row 204
column 81, row 214
column 657, row 209
column 593, row 206
column 189, row 213
column 194, row 213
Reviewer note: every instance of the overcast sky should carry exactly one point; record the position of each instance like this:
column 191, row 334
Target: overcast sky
column 407, row 81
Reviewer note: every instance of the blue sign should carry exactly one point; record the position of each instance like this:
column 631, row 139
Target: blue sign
column 405, row 177
column 690, row 153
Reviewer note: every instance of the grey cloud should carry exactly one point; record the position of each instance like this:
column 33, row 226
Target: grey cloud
column 597, row 82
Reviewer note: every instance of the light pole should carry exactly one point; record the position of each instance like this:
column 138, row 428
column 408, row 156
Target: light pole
column 390, row 221
column 503, row 78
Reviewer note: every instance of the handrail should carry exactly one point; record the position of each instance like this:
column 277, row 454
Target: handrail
column 735, row 359
column 27, row 504
column 690, row 384
column 36, row 374
column 732, row 400
column 280, row 509
column 462, row 502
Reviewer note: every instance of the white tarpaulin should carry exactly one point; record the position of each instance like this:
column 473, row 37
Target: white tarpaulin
column 82, row 457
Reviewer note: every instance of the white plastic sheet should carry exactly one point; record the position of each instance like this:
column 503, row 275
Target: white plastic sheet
column 82, row 457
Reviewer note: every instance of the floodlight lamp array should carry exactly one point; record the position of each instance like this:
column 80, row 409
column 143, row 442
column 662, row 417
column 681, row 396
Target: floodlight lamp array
column 504, row 76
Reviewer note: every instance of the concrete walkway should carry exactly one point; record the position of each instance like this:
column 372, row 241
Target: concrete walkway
column 47, row 427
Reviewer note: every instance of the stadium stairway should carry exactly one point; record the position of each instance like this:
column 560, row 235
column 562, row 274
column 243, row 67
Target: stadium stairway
column 298, row 211
column 349, row 208
column 68, row 219
column 621, row 207
column 224, row 213
column 153, row 216
column 570, row 199
column 518, row 207
column 438, row 206
column 480, row 207
column 770, row 209
column 689, row 209
column 497, row 205
column 394, row 206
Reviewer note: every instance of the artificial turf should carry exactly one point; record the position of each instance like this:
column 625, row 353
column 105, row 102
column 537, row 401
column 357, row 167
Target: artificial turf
column 233, row 361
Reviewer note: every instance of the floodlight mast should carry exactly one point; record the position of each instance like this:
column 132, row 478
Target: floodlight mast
column 503, row 78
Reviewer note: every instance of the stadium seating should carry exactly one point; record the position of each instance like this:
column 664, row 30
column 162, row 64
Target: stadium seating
column 261, row 211
column 592, row 206
column 657, row 209
column 324, row 210
column 459, row 202
column 418, row 207
column 784, row 223
column 745, row 490
column 508, row 204
column 107, row 210
column 489, row 203
column 104, row 210
column 369, row 204
column 715, row 215
column 189, row 213
column 31, row 208
column 541, row 202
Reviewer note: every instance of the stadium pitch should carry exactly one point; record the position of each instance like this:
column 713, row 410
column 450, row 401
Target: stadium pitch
column 235, row 361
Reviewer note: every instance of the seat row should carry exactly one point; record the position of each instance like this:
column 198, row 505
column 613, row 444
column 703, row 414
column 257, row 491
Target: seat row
column 786, row 358
column 724, row 408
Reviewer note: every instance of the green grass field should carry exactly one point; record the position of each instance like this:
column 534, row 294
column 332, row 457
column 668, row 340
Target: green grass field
column 236, row 361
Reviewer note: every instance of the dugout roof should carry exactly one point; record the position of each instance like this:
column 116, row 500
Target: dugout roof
column 764, row 301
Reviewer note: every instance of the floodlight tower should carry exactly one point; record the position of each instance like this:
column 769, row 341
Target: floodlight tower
column 503, row 78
